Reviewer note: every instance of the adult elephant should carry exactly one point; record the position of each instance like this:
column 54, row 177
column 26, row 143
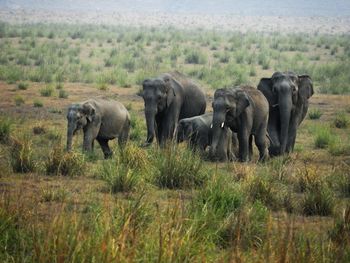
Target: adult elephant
column 288, row 96
column 100, row 119
column 245, row 111
column 169, row 98
column 197, row 131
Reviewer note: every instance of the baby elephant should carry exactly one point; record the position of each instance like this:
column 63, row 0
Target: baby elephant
column 197, row 131
column 100, row 119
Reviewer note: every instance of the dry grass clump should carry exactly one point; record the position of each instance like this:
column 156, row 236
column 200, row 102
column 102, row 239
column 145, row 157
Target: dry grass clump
column 64, row 163
column 21, row 155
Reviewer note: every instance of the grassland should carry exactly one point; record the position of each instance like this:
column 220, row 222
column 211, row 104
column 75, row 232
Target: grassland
column 166, row 205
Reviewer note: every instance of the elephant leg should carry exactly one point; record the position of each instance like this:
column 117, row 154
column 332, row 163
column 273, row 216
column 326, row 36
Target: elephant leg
column 243, row 140
column 260, row 142
column 250, row 147
column 90, row 134
column 124, row 135
column 105, row 148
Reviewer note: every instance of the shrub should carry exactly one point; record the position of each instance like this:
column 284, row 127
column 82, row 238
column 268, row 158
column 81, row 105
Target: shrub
column 5, row 129
column 195, row 57
column 318, row 200
column 38, row 103
column 245, row 229
column 341, row 120
column 46, row 92
column 18, row 100
column 177, row 167
column 22, row 86
column 64, row 163
column 62, row 94
column 219, row 198
column 315, row 114
column 340, row 233
column 21, row 155
column 261, row 187
column 323, row 137
column 119, row 176
column 59, row 85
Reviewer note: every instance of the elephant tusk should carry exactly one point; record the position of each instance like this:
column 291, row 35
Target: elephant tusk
column 275, row 105
column 222, row 125
column 211, row 126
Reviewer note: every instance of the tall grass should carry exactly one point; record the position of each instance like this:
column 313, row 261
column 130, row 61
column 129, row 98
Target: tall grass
column 177, row 167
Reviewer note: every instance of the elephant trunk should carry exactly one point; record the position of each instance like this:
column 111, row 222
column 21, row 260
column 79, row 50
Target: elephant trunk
column 150, row 121
column 217, row 130
column 70, row 132
column 285, row 108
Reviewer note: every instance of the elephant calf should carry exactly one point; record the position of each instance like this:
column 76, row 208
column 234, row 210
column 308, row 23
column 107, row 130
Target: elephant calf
column 100, row 119
column 245, row 111
column 197, row 131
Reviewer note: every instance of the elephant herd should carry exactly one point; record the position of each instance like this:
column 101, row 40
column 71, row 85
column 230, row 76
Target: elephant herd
column 175, row 111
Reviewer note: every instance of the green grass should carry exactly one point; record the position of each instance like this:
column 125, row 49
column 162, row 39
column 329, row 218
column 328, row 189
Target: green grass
column 5, row 129
column 314, row 114
column 46, row 91
column 341, row 120
column 22, row 86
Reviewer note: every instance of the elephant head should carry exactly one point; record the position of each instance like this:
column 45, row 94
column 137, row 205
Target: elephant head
column 284, row 91
column 158, row 94
column 228, row 105
column 78, row 116
column 184, row 130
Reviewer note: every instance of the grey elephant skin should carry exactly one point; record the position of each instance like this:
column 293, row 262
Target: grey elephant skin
column 288, row 95
column 197, row 131
column 169, row 98
column 245, row 111
column 100, row 119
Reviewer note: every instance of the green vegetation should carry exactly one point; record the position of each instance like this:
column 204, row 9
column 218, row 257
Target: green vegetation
column 166, row 205
column 19, row 100
column 22, row 86
column 46, row 91
column 341, row 120
column 5, row 129
column 315, row 114
column 110, row 55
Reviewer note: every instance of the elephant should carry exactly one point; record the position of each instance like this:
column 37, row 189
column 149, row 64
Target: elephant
column 245, row 111
column 288, row 95
column 197, row 131
column 169, row 98
column 101, row 119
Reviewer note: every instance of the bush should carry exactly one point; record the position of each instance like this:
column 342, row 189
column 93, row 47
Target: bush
column 38, row 103
column 22, row 86
column 18, row 100
column 246, row 229
column 177, row 167
column 21, row 155
column 323, row 137
column 315, row 114
column 64, row 163
column 341, row 120
column 318, row 200
column 340, row 233
column 195, row 57
column 47, row 91
column 62, row 94
column 5, row 129
column 119, row 176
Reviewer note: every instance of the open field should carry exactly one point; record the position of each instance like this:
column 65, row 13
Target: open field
column 166, row 205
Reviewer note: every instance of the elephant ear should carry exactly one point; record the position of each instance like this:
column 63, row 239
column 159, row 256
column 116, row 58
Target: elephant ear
column 169, row 89
column 89, row 111
column 243, row 101
column 265, row 86
column 306, row 88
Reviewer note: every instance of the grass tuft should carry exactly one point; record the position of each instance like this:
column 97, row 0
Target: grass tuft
column 21, row 155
